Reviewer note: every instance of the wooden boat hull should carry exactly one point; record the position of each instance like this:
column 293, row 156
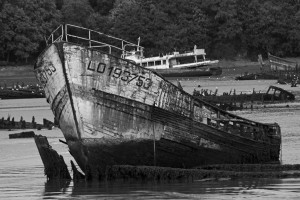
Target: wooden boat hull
column 190, row 72
column 280, row 64
column 112, row 111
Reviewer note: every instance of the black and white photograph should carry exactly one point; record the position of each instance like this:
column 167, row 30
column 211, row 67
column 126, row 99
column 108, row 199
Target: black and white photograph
column 149, row 99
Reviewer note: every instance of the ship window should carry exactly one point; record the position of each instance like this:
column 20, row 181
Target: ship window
column 150, row 63
column 158, row 62
column 144, row 64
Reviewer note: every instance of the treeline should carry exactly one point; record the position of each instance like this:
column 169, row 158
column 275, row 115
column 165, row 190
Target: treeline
column 225, row 28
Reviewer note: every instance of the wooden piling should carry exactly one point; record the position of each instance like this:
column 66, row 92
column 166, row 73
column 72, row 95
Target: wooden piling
column 55, row 166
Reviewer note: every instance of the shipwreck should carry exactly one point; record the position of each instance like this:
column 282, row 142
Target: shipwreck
column 115, row 112
column 233, row 101
column 284, row 70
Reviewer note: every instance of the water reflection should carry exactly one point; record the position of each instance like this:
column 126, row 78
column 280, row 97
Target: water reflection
column 56, row 187
column 248, row 188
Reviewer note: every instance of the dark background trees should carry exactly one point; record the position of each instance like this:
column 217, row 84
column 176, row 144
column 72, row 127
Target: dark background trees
column 225, row 28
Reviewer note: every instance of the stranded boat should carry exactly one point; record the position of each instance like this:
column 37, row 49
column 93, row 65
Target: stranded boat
column 177, row 64
column 114, row 112
column 286, row 71
column 281, row 64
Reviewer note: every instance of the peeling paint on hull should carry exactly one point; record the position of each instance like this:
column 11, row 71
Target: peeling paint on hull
column 112, row 111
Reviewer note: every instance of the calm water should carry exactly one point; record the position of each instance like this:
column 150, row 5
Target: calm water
column 22, row 172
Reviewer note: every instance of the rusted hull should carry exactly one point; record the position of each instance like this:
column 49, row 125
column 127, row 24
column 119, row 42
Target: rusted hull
column 174, row 149
column 114, row 112
column 102, row 153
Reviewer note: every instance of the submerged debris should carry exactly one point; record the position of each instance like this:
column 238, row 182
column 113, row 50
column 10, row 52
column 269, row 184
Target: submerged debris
column 27, row 134
column 10, row 124
column 233, row 101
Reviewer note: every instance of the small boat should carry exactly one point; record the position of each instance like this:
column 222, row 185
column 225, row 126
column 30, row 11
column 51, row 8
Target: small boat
column 187, row 64
column 115, row 112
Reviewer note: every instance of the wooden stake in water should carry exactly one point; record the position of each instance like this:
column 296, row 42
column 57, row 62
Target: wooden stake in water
column 55, row 166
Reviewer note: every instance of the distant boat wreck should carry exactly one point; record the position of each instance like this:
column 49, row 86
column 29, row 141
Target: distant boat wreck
column 233, row 101
column 286, row 71
column 187, row 64
column 114, row 112
column 21, row 92
column 281, row 64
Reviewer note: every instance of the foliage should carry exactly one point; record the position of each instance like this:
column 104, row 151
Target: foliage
column 76, row 12
column 225, row 28
column 102, row 6
column 24, row 26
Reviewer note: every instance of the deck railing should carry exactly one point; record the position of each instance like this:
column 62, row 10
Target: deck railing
column 92, row 39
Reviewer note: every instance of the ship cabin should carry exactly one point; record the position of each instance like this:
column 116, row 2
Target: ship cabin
column 175, row 60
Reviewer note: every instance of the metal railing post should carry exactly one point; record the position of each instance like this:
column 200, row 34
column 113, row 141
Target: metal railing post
column 66, row 33
column 90, row 43
column 62, row 32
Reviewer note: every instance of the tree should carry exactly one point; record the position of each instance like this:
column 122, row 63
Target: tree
column 102, row 7
column 163, row 26
column 13, row 20
column 76, row 12
column 24, row 26
column 268, row 26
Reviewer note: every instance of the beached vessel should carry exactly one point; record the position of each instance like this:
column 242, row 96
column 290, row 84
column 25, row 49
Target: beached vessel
column 115, row 112
column 187, row 64
column 281, row 64
column 286, row 71
column 233, row 101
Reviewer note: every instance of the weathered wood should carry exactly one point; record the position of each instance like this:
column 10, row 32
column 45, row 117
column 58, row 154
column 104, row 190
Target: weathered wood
column 229, row 102
column 112, row 111
column 55, row 166
column 48, row 124
column 285, row 71
column 22, row 124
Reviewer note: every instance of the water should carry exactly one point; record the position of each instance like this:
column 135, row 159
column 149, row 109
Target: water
column 22, row 172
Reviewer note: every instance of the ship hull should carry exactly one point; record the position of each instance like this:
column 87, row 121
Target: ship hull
column 113, row 112
column 190, row 72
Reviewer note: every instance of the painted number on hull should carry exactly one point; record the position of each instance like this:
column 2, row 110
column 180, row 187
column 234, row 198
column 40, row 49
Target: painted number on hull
column 45, row 73
column 124, row 75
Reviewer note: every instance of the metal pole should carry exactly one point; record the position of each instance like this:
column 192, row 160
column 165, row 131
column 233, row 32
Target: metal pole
column 90, row 38
column 154, row 145
column 62, row 32
column 66, row 34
